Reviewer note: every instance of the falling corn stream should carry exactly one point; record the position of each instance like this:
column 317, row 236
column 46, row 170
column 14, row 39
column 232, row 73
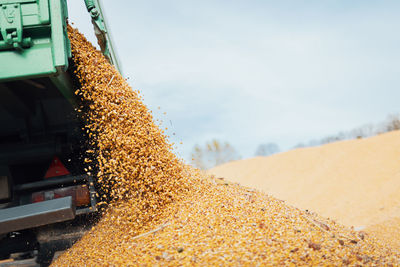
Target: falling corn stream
column 162, row 212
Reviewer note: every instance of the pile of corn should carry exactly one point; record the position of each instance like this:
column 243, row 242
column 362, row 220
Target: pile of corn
column 165, row 213
column 387, row 231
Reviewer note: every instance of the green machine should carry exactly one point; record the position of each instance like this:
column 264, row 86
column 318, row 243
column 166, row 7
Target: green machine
column 34, row 41
column 43, row 186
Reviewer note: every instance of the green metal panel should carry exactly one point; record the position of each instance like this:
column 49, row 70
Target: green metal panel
column 32, row 62
column 33, row 38
column 64, row 85
column 44, row 15
column 61, row 49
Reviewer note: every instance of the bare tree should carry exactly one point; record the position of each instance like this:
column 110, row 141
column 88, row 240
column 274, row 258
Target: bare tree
column 300, row 145
column 393, row 123
column 213, row 153
column 267, row 149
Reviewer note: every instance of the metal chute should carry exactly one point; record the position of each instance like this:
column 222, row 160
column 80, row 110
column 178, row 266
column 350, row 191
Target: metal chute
column 100, row 29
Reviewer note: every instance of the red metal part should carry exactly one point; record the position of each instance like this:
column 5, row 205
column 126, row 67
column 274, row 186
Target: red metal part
column 56, row 169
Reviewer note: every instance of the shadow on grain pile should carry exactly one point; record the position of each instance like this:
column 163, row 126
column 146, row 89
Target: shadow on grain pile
column 165, row 213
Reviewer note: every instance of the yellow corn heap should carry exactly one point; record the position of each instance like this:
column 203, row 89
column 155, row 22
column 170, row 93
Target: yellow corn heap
column 165, row 213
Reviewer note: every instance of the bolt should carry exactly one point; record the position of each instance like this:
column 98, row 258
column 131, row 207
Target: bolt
column 94, row 13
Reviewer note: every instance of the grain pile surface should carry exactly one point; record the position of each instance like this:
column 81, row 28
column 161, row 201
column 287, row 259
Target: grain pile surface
column 164, row 213
column 388, row 231
column 356, row 182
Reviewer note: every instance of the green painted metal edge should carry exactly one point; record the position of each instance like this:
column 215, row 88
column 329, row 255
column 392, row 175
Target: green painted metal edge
column 59, row 35
column 16, row 1
column 50, row 48
column 63, row 82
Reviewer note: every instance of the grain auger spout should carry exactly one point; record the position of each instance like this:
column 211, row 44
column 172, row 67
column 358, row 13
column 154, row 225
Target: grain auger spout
column 100, row 29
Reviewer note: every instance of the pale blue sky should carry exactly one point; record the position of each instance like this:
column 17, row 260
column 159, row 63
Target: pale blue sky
column 251, row 72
